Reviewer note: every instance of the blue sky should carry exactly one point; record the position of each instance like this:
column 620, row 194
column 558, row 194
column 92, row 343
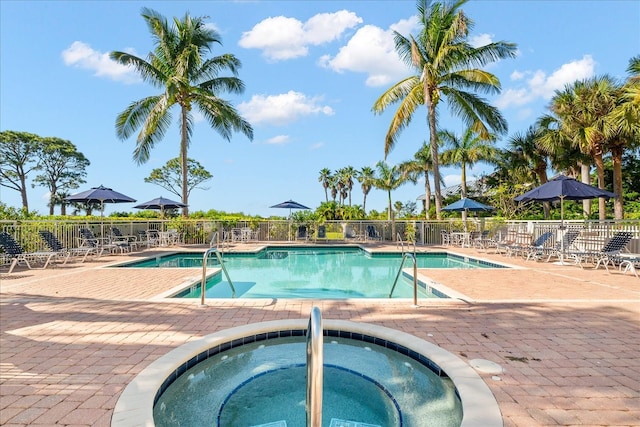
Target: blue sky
column 312, row 70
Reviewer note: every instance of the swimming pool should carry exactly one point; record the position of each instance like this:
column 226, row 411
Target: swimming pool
column 311, row 272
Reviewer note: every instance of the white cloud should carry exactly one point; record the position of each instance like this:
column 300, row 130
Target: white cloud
column 316, row 146
column 540, row 86
column 278, row 140
column 480, row 40
column 81, row 55
column 282, row 109
column 282, row 38
column 371, row 50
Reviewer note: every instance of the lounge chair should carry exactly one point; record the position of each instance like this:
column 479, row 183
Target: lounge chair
column 607, row 254
column 629, row 262
column 564, row 244
column 56, row 246
column 537, row 248
column 372, row 233
column 16, row 254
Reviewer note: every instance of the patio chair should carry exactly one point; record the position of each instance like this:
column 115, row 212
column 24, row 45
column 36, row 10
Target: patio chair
column 372, row 233
column 16, row 254
column 322, row 233
column 483, row 241
column 117, row 238
column 149, row 238
column 607, row 254
column 56, row 246
column 445, row 236
column 302, row 233
column 89, row 240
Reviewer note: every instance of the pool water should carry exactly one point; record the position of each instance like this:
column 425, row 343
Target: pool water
column 284, row 272
column 264, row 383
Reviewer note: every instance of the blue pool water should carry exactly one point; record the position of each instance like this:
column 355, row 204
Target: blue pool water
column 311, row 272
column 263, row 384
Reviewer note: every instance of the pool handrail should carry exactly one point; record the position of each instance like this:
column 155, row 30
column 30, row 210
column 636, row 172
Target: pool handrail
column 315, row 362
column 415, row 276
column 204, row 273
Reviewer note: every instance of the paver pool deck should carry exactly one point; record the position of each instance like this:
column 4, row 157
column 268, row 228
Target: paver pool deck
column 568, row 339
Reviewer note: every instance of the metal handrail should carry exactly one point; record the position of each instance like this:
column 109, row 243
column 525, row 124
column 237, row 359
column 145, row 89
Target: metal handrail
column 215, row 237
column 315, row 361
column 400, row 242
column 415, row 276
column 204, row 273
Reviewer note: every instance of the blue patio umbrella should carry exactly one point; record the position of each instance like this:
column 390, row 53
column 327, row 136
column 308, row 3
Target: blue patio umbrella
column 160, row 203
column 466, row 204
column 290, row 204
column 563, row 188
column 100, row 195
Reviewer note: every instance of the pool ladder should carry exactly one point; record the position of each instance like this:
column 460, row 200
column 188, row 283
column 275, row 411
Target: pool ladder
column 204, row 273
column 315, row 362
column 415, row 276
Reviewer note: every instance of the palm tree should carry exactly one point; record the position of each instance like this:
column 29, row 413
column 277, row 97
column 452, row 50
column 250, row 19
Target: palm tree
column 529, row 158
column 325, row 179
column 466, row 150
column 420, row 165
column 582, row 109
column 366, row 178
column 445, row 65
column 348, row 173
column 388, row 178
column 623, row 129
column 179, row 65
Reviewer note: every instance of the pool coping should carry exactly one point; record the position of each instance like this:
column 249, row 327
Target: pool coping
column 135, row 405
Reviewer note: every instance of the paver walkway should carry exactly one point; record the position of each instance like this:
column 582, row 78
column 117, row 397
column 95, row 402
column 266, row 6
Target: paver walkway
column 568, row 339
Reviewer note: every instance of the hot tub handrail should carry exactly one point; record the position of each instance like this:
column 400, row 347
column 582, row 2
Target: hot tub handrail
column 315, row 361
column 415, row 276
column 204, row 273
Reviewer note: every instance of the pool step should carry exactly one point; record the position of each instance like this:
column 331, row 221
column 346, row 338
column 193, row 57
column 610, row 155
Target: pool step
column 335, row 422
column 281, row 423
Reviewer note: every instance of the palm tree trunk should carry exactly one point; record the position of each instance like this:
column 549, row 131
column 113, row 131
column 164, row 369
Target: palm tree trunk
column 433, row 144
column 463, row 188
column 584, row 173
column 427, row 194
column 183, row 160
column 618, row 204
column 602, row 213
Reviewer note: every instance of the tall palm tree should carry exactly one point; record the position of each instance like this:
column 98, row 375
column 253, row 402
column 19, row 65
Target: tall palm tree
column 582, row 108
column 447, row 67
column 325, row 179
column 420, row 165
column 347, row 174
column 466, row 150
column 529, row 158
column 190, row 80
column 366, row 178
column 388, row 178
column 623, row 130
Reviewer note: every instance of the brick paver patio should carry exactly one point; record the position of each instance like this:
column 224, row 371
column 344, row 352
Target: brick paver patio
column 568, row 339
